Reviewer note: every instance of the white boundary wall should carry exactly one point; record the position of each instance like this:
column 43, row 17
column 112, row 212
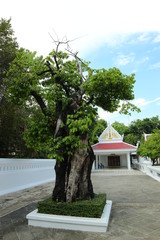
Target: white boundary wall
column 147, row 168
column 18, row 174
column 154, row 172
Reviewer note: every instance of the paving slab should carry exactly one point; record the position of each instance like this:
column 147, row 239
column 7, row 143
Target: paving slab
column 135, row 211
column 13, row 201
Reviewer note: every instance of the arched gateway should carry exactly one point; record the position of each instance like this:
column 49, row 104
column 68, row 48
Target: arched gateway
column 111, row 151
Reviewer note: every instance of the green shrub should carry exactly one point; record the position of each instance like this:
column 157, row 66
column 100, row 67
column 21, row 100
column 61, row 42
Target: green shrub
column 85, row 208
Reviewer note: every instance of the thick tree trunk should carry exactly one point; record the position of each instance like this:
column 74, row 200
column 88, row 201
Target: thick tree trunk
column 59, row 189
column 85, row 185
column 73, row 177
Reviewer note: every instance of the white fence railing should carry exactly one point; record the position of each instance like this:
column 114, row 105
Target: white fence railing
column 152, row 171
column 18, row 174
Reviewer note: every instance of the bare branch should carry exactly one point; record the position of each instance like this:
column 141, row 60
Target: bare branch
column 64, row 40
column 90, row 100
column 79, row 63
column 50, row 69
column 41, row 73
column 39, row 101
column 55, row 34
column 56, row 42
column 55, row 58
column 58, row 125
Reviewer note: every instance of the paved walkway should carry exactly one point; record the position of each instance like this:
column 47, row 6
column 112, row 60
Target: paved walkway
column 135, row 211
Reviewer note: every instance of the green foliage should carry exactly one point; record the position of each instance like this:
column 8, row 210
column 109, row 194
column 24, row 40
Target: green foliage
column 151, row 147
column 12, row 127
column 138, row 127
column 108, row 87
column 23, row 76
column 121, row 128
column 131, row 138
column 99, row 127
column 85, row 208
column 67, row 101
column 128, row 107
column 37, row 133
column 8, row 46
column 133, row 133
column 12, row 118
column 147, row 125
column 79, row 122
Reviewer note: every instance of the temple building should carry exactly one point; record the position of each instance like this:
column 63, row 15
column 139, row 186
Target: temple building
column 111, row 151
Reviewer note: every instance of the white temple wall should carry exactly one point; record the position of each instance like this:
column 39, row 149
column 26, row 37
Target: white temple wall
column 104, row 160
column 123, row 161
column 18, row 174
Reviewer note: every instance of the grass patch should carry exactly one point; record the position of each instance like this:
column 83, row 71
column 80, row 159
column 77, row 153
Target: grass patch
column 85, row 208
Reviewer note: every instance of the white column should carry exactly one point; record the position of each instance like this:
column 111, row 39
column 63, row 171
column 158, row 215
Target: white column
column 128, row 161
column 94, row 165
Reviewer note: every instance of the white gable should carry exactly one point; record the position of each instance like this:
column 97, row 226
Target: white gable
column 110, row 135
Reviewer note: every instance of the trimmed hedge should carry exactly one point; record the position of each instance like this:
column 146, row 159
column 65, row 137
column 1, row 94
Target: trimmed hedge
column 85, row 208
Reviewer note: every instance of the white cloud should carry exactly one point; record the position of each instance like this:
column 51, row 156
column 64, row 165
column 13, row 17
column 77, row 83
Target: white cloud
column 96, row 20
column 142, row 60
column 157, row 100
column 155, row 66
column 156, row 39
column 114, row 39
column 137, row 63
column 116, row 116
column 106, row 115
column 141, row 102
column 144, row 37
column 123, row 60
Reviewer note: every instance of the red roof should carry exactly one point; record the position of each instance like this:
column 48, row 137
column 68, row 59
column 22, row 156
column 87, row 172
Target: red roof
column 111, row 146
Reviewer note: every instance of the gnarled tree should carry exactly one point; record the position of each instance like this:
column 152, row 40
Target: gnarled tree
column 67, row 91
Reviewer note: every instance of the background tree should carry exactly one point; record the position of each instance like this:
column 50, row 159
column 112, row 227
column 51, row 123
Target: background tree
column 147, row 125
column 12, row 117
column 99, row 127
column 151, row 147
column 8, row 47
column 121, row 128
column 67, row 98
column 131, row 138
column 134, row 132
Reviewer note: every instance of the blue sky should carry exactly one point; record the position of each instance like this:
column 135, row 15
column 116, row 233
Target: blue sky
column 137, row 53
column 110, row 33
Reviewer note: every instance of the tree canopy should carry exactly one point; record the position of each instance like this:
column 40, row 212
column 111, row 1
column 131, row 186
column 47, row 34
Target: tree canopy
column 134, row 132
column 8, row 46
column 99, row 127
column 66, row 98
column 12, row 117
column 121, row 128
column 151, row 147
column 62, row 93
column 10, row 123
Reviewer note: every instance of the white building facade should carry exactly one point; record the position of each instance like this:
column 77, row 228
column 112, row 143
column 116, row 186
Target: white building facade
column 111, row 151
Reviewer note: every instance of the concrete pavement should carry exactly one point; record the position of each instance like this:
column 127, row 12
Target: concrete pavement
column 135, row 211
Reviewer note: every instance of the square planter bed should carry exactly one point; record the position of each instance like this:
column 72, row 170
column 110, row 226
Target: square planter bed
column 70, row 222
